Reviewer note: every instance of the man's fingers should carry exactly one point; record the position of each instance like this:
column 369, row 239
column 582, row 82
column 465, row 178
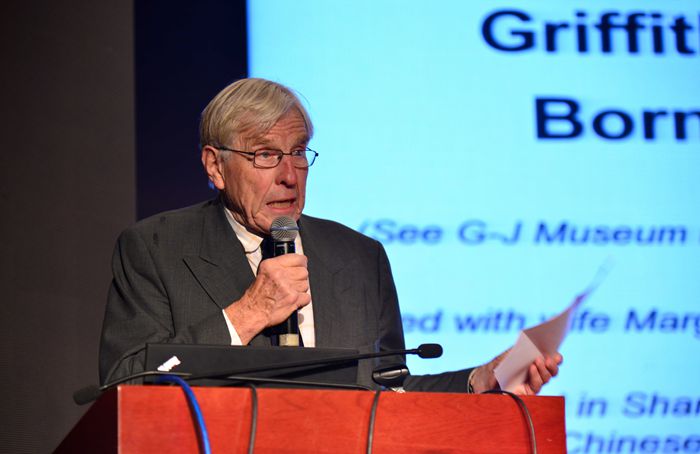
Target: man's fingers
column 288, row 260
column 281, row 287
column 283, row 264
column 535, row 380
column 299, row 273
column 300, row 286
column 552, row 366
column 303, row 300
column 539, row 373
column 543, row 371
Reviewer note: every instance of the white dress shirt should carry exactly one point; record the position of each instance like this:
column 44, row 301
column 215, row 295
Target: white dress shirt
column 251, row 245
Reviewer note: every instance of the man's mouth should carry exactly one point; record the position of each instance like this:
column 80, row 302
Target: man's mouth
column 281, row 203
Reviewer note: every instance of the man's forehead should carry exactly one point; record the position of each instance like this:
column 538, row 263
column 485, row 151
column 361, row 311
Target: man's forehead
column 297, row 132
column 269, row 139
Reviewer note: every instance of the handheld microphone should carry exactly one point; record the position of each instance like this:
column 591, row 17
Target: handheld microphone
column 284, row 231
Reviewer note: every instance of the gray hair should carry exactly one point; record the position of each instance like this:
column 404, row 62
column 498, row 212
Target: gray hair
column 250, row 106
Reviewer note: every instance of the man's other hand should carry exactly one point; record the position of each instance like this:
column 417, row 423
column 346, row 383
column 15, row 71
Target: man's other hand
column 280, row 288
column 540, row 372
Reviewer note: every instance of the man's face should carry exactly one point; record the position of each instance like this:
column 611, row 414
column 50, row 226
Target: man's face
column 258, row 196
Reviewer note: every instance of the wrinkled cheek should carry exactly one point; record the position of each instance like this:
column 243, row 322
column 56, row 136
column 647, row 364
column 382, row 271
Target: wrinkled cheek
column 260, row 217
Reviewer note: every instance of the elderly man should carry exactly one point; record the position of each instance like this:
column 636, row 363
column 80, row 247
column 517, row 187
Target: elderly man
column 195, row 275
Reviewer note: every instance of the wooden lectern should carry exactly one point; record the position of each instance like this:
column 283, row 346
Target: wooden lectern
column 151, row 419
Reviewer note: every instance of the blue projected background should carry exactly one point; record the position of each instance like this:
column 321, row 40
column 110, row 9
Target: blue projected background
column 501, row 154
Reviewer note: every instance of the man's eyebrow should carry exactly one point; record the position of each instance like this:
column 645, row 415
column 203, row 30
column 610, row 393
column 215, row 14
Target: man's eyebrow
column 302, row 139
column 260, row 142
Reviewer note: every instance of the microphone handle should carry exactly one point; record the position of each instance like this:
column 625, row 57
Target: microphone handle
column 288, row 330
column 283, row 247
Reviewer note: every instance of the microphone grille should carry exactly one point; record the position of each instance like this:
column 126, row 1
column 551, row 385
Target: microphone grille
column 284, row 229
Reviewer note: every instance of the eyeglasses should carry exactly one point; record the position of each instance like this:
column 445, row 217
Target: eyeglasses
column 268, row 159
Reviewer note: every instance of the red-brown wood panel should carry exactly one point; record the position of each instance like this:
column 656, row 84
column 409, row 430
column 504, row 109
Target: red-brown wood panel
column 157, row 419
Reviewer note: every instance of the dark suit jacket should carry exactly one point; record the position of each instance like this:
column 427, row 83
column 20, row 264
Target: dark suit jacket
column 175, row 272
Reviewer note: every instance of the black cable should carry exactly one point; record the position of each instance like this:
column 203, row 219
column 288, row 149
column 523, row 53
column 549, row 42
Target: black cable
column 90, row 393
column 253, row 416
column 526, row 412
column 372, row 418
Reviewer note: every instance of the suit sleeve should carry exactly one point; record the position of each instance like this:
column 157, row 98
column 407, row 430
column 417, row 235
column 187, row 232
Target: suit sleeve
column 139, row 311
column 392, row 338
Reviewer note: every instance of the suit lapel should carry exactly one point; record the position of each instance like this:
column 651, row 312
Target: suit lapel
column 221, row 267
column 325, row 280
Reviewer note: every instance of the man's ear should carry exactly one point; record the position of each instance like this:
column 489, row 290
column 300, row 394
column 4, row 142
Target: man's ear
column 213, row 165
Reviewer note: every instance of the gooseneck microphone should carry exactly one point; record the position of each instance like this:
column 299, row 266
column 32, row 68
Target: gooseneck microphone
column 91, row 393
column 284, row 231
column 423, row 351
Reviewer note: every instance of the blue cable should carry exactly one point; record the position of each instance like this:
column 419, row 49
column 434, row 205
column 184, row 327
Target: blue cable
column 194, row 406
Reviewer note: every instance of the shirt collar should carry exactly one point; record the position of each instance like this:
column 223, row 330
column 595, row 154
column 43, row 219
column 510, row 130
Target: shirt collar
column 250, row 241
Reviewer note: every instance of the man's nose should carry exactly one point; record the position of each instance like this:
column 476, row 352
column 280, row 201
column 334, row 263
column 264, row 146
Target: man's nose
column 286, row 172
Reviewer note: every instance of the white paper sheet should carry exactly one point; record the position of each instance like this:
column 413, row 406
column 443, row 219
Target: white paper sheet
column 545, row 338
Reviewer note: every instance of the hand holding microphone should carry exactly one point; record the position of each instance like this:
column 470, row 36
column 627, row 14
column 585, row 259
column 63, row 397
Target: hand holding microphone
column 279, row 290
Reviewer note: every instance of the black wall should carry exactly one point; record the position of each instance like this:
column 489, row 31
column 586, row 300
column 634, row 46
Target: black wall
column 184, row 55
column 84, row 85
column 67, row 188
